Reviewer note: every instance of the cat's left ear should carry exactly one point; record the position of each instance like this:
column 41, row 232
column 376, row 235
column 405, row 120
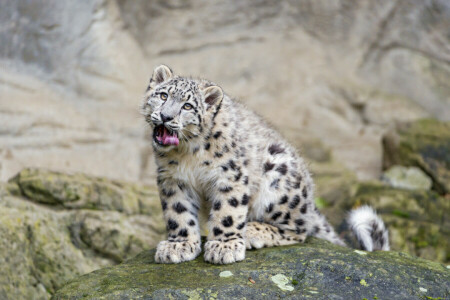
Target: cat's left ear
column 161, row 74
column 213, row 95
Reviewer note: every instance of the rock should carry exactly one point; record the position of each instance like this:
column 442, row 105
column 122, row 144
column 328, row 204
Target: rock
column 424, row 144
column 313, row 270
column 417, row 220
column 79, row 191
column 411, row 178
column 56, row 226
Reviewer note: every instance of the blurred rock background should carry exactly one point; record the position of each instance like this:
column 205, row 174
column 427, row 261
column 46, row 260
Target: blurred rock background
column 343, row 80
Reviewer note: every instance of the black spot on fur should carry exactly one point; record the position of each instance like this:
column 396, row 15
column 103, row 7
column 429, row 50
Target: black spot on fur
column 227, row 221
column 275, row 149
column 304, row 192
column 179, row 208
column 233, row 144
column 228, row 234
column 164, row 205
column 246, row 180
column 183, row 232
column 217, row 231
column 168, row 192
column 173, row 162
column 269, row 208
column 233, row 202
column 238, row 176
column 195, row 150
column 304, row 208
column 245, row 199
column 172, row 225
column 275, row 183
column 218, row 154
column 246, row 162
column 217, row 134
column 232, row 164
column 316, row 229
column 240, row 226
column 276, row 215
column 268, row 166
column 207, row 146
column 217, row 205
column 287, row 216
column 297, row 182
column 284, row 199
column 191, row 223
column 206, row 163
column 226, row 189
column 295, row 201
column 224, row 168
column 300, row 222
column 282, row 169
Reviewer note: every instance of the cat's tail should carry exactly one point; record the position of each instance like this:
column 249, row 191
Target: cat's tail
column 369, row 229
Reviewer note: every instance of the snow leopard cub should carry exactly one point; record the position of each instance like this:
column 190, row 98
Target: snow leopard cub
column 213, row 152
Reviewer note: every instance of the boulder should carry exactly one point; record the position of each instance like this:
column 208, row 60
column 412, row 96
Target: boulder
column 54, row 227
column 313, row 270
column 411, row 178
column 78, row 191
column 424, row 144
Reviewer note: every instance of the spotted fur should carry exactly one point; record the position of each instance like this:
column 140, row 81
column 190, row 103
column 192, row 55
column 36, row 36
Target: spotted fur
column 254, row 186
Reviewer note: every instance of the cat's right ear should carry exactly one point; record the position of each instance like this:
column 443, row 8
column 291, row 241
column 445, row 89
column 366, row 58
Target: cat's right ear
column 161, row 74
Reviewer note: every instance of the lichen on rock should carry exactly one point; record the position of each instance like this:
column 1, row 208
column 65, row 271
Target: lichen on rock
column 320, row 269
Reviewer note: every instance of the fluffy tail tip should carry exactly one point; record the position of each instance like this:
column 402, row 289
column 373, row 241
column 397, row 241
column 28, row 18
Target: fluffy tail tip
column 369, row 229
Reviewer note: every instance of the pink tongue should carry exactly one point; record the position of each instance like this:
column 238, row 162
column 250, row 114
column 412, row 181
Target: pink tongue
column 169, row 139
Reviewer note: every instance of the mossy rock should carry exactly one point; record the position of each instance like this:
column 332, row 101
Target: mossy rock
column 313, row 270
column 424, row 144
column 47, row 239
column 417, row 219
column 83, row 191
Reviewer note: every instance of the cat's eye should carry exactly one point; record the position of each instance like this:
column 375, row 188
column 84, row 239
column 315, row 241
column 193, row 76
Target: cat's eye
column 163, row 96
column 187, row 106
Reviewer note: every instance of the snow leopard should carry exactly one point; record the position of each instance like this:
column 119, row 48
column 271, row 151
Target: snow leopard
column 217, row 158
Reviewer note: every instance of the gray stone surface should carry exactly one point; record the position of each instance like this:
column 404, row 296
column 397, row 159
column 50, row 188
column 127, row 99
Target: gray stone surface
column 411, row 178
column 73, row 74
column 314, row 270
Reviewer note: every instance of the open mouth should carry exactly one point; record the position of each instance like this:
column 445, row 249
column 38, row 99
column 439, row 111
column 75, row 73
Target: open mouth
column 164, row 136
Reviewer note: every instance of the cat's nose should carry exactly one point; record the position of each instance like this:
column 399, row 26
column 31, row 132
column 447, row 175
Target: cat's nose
column 165, row 118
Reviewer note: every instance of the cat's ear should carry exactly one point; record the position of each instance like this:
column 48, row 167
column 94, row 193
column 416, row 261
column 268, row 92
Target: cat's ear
column 161, row 74
column 213, row 95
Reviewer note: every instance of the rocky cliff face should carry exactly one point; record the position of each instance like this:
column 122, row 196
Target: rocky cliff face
column 73, row 74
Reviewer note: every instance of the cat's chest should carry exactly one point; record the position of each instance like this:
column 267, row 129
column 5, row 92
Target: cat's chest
column 194, row 173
